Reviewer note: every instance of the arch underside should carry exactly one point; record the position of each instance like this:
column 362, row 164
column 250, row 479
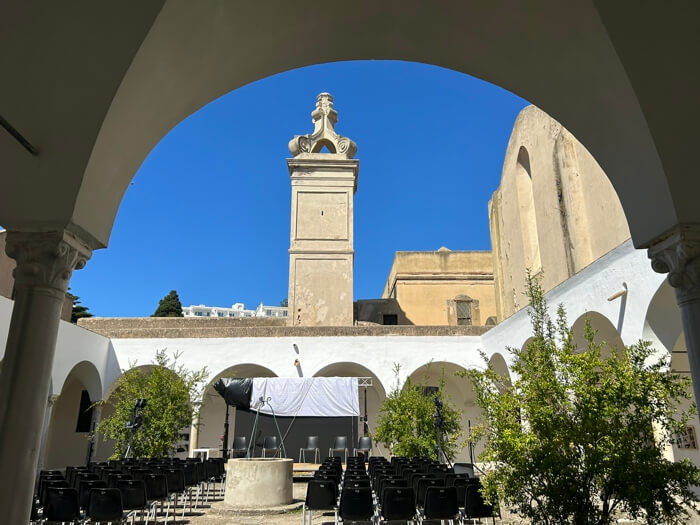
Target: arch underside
column 145, row 78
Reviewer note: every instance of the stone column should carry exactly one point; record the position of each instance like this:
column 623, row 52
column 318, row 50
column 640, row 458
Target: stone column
column 194, row 434
column 678, row 254
column 45, row 262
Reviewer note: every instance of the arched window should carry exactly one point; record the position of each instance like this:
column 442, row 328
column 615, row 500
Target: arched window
column 463, row 310
column 528, row 220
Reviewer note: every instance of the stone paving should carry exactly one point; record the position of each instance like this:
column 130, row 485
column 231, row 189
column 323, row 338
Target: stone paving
column 217, row 513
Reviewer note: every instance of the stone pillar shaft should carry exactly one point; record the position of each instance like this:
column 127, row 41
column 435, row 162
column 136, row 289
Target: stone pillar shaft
column 679, row 255
column 45, row 262
column 690, row 315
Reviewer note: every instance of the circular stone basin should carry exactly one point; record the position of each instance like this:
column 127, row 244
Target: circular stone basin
column 258, row 482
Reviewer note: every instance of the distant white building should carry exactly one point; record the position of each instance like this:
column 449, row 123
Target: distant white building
column 237, row 310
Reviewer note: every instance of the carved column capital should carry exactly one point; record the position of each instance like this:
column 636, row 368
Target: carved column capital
column 678, row 254
column 46, row 259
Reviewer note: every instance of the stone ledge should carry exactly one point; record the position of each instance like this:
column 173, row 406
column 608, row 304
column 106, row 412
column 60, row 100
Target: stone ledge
column 180, row 328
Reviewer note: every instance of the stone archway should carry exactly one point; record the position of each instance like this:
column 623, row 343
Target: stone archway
column 374, row 395
column 104, row 447
column 95, row 125
column 461, row 394
column 71, row 420
column 212, row 413
column 498, row 363
column 605, row 333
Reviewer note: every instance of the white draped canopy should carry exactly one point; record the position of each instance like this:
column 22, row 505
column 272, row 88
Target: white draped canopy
column 303, row 397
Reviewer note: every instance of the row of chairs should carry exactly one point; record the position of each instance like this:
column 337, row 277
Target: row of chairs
column 121, row 490
column 271, row 447
column 409, row 490
column 340, row 444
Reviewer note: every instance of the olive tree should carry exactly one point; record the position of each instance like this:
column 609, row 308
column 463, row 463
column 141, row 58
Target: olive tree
column 579, row 438
column 173, row 395
column 407, row 424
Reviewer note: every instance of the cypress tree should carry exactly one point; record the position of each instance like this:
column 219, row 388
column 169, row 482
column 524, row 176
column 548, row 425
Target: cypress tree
column 169, row 306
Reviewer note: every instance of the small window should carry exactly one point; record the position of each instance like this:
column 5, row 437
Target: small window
column 464, row 312
column 430, row 391
column 687, row 439
column 84, row 413
column 390, row 319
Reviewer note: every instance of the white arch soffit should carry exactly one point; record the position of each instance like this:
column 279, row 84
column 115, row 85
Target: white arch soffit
column 247, row 370
column 499, row 365
column 364, row 371
column 113, row 386
column 603, row 327
column 87, row 374
column 436, row 367
column 663, row 326
column 551, row 55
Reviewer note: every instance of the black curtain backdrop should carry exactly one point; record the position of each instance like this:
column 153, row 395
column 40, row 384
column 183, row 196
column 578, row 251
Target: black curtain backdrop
column 297, row 430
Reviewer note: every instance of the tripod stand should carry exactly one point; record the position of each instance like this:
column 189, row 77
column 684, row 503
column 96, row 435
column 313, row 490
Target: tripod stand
column 262, row 403
column 439, row 432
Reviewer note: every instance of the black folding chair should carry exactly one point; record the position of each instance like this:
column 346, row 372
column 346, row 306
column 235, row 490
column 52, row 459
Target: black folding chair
column 157, row 492
column 84, row 488
column 50, row 483
column 312, row 445
column 61, row 505
column 175, row 478
column 320, row 495
column 240, row 447
column 340, row 444
column 105, row 506
column 270, row 443
column 133, row 497
column 364, row 446
column 398, row 504
column 114, row 479
column 475, row 507
column 421, row 489
column 356, row 505
column 440, row 504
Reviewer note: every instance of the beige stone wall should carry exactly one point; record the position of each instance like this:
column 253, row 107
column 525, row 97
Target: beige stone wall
column 555, row 211
column 426, row 285
column 183, row 327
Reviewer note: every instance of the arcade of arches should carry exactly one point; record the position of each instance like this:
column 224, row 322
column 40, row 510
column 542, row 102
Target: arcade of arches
column 622, row 81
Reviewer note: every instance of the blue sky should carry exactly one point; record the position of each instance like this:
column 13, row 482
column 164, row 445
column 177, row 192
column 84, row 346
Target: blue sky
column 208, row 211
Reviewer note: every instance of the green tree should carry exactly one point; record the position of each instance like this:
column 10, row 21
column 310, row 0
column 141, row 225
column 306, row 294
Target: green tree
column 169, row 306
column 284, row 302
column 173, row 396
column 406, row 424
column 579, row 437
column 79, row 311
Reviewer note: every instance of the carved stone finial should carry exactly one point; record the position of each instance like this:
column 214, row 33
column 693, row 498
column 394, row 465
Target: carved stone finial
column 324, row 118
column 679, row 256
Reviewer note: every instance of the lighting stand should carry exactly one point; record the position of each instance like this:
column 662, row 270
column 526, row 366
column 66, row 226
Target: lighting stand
column 262, row 403
column 439, row 432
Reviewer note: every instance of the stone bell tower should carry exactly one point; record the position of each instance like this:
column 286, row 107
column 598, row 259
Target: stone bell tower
column 321, row 254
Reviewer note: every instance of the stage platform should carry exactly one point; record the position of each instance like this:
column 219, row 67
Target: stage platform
column 305, row 470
